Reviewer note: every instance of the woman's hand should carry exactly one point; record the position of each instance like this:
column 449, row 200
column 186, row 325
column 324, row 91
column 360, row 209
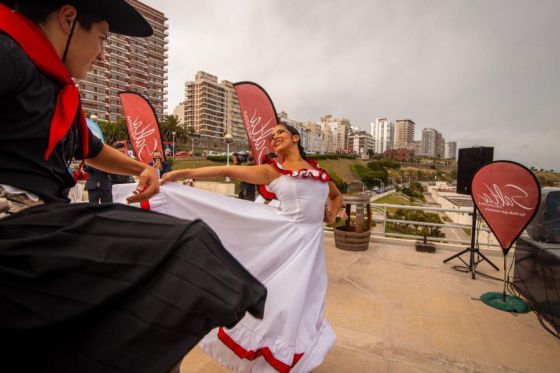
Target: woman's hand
column 330, row 216
column 178, row 175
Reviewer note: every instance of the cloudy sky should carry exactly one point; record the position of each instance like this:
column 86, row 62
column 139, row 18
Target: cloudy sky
column 482, row 72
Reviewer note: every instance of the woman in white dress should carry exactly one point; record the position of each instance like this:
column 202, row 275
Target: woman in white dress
column 282, row 247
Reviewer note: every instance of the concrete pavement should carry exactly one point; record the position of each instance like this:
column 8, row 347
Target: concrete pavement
column 398, row 310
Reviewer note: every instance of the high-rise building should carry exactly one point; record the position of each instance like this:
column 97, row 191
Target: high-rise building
column 451, row 150
column 383, row 132
column 315, row 137
column 179, row 111
column 130, row 64
column 212, row 108
column 433, row 143
column 339, row 129
column 234, row 123
column 404, row 134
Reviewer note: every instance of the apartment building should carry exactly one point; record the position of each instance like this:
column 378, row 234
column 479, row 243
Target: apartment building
column 179, row 112
column 130, row 64
column 383, row 133
column 212, row 109
column 316, row 137
column 451, row 150
column 404, row 134
column 433, row 143
column 339, row 129
column 360, row 142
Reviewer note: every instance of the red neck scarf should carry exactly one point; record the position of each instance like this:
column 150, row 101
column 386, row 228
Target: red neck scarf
column 40, row 50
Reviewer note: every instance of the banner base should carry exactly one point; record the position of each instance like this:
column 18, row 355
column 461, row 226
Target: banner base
column 509, row 304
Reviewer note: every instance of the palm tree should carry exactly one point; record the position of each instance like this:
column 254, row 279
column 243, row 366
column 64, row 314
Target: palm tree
column 113, row 131
column 170, row 124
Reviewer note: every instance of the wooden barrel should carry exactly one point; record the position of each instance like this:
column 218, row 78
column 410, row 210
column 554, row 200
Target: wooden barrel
column 355, row 237
column 351, row 241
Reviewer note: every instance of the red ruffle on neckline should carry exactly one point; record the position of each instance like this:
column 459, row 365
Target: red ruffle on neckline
column 252, row 355
column 316, row 173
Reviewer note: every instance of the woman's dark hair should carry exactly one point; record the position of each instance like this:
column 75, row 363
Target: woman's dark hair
column 39, row 11
column 294, row 131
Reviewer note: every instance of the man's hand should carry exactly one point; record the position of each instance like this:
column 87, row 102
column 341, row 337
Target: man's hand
column 148, row 186
column 175, row 176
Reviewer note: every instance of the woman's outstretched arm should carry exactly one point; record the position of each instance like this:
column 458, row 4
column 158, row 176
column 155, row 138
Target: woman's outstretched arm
column 335, row 203
column 262, row 174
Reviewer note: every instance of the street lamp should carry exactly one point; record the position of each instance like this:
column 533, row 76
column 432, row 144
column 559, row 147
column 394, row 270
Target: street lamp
column 381, row 189
column 173, row 133
column 228, row 138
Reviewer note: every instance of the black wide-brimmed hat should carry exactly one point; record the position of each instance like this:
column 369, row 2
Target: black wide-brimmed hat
column 122, row 17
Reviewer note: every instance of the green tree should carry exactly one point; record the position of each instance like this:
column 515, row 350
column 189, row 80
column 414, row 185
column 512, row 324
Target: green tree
column 170, row 124
column 113, row 131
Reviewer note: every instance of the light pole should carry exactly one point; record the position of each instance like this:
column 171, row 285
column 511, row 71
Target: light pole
column 192, row 147
column 228, row 138
column 173, row 133
column 380, row 185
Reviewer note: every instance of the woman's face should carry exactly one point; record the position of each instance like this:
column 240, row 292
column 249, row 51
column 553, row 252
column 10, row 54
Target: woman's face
column 282, row 139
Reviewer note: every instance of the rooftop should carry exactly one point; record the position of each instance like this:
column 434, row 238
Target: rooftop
column 398, row 310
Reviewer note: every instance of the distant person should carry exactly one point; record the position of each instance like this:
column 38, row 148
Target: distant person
column 248, row 190
column 99, row 186
column 121, row 179
column 159, row 164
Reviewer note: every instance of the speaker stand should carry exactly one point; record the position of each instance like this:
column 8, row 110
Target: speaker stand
column 473, row 262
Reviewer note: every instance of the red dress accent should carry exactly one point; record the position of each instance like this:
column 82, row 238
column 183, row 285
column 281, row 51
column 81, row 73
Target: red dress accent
column 316, row 173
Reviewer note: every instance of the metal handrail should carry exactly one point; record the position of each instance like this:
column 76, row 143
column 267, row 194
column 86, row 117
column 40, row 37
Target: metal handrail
column 424, row 208
column 385, row 220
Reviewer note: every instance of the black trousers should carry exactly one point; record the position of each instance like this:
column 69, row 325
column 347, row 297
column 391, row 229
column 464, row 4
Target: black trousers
column 112, row 288
column 97, row 196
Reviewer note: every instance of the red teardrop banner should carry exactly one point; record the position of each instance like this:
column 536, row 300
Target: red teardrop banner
column 507, row 195
column 143, row 126
column 258, row 115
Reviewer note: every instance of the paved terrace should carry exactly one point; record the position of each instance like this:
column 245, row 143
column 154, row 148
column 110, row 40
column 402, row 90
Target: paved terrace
column 398, row 310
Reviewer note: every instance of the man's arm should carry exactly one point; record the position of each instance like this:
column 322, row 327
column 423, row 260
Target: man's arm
column 8, row 73
column 113, row 161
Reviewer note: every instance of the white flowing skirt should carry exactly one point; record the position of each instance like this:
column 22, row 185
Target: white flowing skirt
column 287, row 257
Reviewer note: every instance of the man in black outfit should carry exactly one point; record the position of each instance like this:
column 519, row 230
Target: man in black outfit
column 116, row 178
column 99, row 186
column 92, row 288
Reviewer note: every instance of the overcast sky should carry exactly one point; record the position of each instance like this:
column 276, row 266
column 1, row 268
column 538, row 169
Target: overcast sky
column 482, row 72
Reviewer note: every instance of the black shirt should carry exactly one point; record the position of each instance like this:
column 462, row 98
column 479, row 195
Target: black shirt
column 27, row 103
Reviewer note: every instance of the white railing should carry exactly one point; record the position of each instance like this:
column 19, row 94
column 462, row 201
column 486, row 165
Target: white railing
column 384, row 220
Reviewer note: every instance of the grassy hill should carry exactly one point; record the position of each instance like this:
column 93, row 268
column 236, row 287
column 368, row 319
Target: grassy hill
column 341, row 167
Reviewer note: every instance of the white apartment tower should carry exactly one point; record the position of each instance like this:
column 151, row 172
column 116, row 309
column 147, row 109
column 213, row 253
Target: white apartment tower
column 131, row 64
column 383, row 133
column 451, row 150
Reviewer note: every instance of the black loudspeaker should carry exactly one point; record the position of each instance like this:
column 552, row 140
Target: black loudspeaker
column 470, row 159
